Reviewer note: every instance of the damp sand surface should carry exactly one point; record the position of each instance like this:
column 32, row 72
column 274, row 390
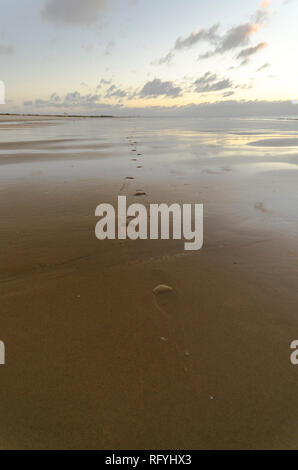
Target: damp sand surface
column 140, row 344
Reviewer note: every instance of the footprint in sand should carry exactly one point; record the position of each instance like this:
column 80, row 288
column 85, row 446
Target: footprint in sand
column 162, row 295
column 140, row 192
column 260, row 207
column 167, row 303
column 122, row 187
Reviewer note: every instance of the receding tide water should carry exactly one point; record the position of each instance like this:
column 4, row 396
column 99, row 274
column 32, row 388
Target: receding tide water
column 122, row 344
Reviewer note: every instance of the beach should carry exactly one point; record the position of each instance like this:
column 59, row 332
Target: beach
column 94, row 359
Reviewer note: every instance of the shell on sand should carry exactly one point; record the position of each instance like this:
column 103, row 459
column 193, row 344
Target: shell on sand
column 162, row 289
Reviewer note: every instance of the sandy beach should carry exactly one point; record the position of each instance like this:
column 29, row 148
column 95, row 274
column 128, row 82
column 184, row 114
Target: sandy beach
column 94, row 360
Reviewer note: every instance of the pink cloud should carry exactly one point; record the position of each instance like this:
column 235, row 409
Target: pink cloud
column 265, row 3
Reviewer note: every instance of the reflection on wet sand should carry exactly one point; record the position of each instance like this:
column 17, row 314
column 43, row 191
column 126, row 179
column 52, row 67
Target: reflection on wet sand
column 139, row 344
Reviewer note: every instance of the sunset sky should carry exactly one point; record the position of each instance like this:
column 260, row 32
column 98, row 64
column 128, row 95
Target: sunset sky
column 127, row 56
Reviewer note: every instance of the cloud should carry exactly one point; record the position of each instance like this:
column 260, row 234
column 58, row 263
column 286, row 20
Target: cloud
column 76, row 99
column 238, row 36
column 265, row 3
column 114, row 92
column 73, row 99
column 167, row 59
column 207, row 35
column 210, row 82
column 80, row 12
column 228, row 93
column 219, row 109
column 249, row 51
column 235, row 37
column 54, row 98
column 109, row 47
column 233, row 108
column 157, row 88
column 6, row 50
column 104, row 82
column 81, row 104
column 206, row 55
column 265, row 66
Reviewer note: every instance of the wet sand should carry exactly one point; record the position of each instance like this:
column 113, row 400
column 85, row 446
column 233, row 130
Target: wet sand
column 96, row 360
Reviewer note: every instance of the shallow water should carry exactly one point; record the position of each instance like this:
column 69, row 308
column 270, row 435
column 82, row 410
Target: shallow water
column 189, row 154
column 209, row 142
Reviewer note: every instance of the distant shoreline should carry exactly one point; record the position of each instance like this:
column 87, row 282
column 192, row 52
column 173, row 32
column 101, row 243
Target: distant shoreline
column 58, row 115
column 110, row 116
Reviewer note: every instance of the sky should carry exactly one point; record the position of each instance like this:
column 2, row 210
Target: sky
column 128, row 57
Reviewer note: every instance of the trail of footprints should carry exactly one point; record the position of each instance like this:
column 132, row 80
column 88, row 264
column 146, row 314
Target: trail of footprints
column 164, row 296
column 132, row 143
